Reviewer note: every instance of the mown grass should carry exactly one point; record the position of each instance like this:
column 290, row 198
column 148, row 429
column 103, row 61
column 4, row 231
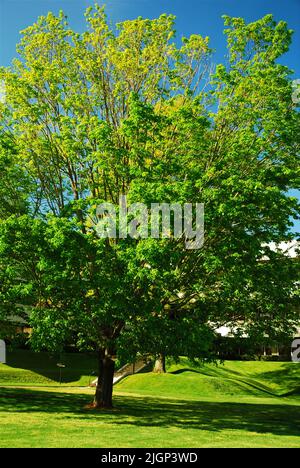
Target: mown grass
column 231, row 377
column 28, row 368
column 188, row 380
column 232, row 405
column 47, row 418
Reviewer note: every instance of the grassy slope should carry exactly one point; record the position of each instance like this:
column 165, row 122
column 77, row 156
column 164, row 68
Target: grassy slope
column 235, row 405
column 186, row 380
column 28, row 368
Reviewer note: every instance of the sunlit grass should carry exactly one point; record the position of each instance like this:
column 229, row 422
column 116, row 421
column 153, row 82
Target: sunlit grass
column 237, row 404
column 48, row 418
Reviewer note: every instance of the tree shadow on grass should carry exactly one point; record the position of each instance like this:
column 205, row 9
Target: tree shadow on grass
column 187, row 369
column 242, row 382
column 287, row 376
column 275, row 418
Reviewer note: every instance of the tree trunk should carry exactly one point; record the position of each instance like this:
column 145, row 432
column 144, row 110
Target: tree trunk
column 104, row 388
column 160, row 364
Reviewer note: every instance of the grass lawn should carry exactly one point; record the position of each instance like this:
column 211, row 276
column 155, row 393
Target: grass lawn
column 235, row 405
column 28, row 368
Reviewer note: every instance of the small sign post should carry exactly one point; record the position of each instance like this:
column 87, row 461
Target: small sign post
column 61, row 366
column 2, row 351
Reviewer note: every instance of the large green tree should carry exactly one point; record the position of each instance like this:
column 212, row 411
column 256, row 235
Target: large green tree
column 103, row 114
column 77, row 102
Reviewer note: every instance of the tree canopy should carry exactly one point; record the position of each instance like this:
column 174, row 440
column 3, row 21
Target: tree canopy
column 94, row 116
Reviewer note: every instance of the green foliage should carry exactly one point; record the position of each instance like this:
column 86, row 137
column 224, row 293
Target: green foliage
column 103, row 113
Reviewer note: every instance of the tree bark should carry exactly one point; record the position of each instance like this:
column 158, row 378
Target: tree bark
column 104, row 388
column 160, row 364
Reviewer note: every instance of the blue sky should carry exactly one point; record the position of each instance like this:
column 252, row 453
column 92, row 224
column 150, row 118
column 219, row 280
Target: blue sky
column 193, row 16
